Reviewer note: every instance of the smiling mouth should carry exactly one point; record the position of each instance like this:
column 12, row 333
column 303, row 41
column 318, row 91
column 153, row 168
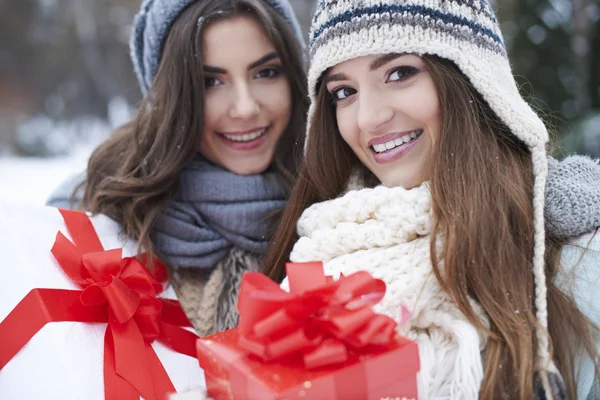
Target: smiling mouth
column 398, row 142
column 246, row 137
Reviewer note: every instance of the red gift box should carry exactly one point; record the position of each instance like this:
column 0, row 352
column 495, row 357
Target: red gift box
column 320, row 341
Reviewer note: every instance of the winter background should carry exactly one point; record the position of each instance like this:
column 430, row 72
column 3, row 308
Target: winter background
column 66, row 80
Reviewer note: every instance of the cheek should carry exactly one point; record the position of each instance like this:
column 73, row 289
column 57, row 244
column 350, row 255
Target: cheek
column 431, row 119
column 347, row 126
column 426, row 108
column 214, row 106
column 276, row 99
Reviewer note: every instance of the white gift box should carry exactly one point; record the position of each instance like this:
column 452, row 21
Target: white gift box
column 64, row 360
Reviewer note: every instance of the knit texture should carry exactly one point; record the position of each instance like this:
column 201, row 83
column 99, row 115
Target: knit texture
column 385, row 231
column 197, row 298
column 151, row 27
column 467, row 33
column 572, row 204
column 213, row 211
column 210, row 302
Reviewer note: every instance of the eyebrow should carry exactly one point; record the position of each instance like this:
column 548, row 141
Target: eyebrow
column 378, row 63
column 263, row 60
column 335, row 78
column 381, row 61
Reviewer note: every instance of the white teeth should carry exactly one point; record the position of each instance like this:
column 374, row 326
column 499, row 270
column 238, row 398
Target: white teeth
column 247, row 137
column 380, row 148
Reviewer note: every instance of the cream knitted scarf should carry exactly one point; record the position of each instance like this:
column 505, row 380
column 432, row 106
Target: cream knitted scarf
column 385, row 231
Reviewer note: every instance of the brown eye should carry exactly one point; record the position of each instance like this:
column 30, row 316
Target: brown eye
column 342, row 93
column 268, row 73
column 402, row 73
column 210, row 81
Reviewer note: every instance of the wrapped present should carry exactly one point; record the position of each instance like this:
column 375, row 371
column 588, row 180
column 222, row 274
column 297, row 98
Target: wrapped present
column 82, row 322
column 322, row 340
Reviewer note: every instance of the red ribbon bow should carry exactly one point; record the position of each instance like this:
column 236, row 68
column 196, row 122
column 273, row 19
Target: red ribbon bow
column 116, row 290
column 319, row 318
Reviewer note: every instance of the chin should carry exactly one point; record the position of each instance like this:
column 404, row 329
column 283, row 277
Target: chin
column 248, row 170
column 399, row 181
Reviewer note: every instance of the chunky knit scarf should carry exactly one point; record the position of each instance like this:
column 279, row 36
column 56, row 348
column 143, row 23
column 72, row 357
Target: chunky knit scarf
column 214, row 211
column 385, row 231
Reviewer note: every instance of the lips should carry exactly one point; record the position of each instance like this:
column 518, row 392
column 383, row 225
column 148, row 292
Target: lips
column 245, row 136
column 389, row 142
column 245, row 140
column 388, row 151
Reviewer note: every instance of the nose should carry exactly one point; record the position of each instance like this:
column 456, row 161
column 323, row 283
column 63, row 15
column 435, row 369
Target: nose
column 374, row 111
column 245, row 104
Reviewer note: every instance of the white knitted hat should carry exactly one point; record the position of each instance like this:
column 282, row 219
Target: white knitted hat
column 467, row 33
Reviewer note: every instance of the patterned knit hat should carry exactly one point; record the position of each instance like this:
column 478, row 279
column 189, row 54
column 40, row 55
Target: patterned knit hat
column 151, row 27
column 467, row 33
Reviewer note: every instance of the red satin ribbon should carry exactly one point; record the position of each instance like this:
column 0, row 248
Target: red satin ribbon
column 116, row 290
column 319, row 318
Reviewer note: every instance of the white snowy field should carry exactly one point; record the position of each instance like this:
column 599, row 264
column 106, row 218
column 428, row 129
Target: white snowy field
column 30, row 180
column 27, row 180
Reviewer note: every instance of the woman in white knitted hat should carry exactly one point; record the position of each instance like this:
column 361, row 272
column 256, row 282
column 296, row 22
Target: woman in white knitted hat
column 213, row 148
column 425, row 167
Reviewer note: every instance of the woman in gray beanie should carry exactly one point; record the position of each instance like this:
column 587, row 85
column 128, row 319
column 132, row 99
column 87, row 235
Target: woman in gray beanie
column 425, row 167
column 200, row 173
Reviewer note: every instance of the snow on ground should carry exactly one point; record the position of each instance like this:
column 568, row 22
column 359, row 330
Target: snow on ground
column 27, row 180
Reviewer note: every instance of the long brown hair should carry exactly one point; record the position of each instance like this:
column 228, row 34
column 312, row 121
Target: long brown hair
column 482, row 187
column 134, row 174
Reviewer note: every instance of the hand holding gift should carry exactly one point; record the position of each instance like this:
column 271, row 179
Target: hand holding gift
column 320, row 341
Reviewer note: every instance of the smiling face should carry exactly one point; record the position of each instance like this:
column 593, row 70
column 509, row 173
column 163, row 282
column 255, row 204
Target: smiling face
column 248, row 99
column 387, row 111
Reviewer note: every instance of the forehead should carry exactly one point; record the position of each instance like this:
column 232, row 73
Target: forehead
column 235, row 40
column 371, row 63
column 353, row 64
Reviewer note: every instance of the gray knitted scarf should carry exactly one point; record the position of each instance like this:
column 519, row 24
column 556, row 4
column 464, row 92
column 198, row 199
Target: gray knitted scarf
column 215, row 210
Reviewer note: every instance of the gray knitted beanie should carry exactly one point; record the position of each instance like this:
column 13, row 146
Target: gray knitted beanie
column 467, row 33
column 151, row 27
